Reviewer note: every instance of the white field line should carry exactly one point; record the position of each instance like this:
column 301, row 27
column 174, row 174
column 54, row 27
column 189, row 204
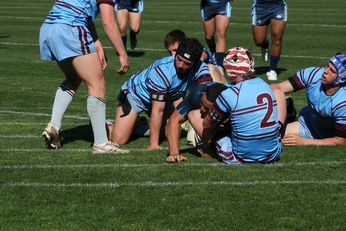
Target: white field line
column 183, row 22
column 42, row 114
column 174, row 184
column 20, row 136
column 186, row 164
column 163, row 50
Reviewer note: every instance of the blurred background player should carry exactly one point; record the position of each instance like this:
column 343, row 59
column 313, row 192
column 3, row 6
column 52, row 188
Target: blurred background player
column 273, row 13
column 323, row 120
column 215, row 15
column 156, row 89
column 250, row 107
column 129, row 11
column 171, row 43
column 68, row 36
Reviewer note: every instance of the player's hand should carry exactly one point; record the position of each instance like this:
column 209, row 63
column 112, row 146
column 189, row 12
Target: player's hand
column 101, row 54
column 154, row 147
column 175, row 158
column 124, row 64
column 293, row 140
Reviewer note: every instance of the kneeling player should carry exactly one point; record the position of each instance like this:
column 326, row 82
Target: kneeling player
column 156, row 89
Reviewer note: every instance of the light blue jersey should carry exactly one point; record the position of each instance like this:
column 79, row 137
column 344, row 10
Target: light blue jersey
column 325, row 116
column 252, row 111
column 75, row 12
column 161, row 82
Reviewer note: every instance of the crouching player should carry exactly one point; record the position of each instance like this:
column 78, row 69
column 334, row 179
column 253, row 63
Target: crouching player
column 251, row 109
column 157, row 89
column 190, row 110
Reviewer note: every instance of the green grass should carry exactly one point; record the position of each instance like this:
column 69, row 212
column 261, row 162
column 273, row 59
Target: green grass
column 71, row 189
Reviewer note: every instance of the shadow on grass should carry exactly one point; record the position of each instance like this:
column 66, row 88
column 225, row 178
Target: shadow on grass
column 135, row 53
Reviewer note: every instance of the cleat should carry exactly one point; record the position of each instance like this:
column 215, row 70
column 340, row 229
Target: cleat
column 272, row 75
column 51, row 136
column 265, row 54
column 133, row 40
column 108, row 148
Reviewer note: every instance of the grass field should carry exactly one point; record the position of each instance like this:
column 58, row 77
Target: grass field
column 71, row 189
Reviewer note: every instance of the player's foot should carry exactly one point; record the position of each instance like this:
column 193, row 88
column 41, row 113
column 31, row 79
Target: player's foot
column 265, row 54
column 133, row 40
column 108, row 148
column 272, row 75
column 51, row 136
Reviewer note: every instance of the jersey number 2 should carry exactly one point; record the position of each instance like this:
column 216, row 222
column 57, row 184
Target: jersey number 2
column 261, row 100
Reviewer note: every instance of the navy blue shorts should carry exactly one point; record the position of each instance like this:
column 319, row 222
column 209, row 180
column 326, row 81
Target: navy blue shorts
column 210, row 10
column 262, row 13
column 135, row 6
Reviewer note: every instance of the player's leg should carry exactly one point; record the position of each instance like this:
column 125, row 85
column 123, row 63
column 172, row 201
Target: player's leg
column 260, row 36
column 63, row 97
column 122, row 16
column 89, row 69
column 209, row 31
column 293, row 128
column 135, row 23
column 221, row 23
column 277, row 31
column 125, row 119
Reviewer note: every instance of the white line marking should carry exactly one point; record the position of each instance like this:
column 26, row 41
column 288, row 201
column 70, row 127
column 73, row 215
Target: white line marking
column 184, row 22
column 165, row 184
column 19, row 136
column 42, row 114
column 186, row 164
column 163, row 50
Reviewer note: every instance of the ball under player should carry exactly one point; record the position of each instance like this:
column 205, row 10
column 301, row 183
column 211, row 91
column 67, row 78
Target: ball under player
column 156, row 88
column 129, row 11
column 250, row 107
column 68, row 35
column 323, row 120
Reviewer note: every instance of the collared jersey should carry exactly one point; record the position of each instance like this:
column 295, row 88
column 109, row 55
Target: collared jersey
column 251, row 108
column 161, row 82
column 75, row 12
column 327, row 116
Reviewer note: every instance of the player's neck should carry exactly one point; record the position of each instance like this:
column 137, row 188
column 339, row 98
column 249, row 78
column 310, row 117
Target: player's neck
column 330, row 89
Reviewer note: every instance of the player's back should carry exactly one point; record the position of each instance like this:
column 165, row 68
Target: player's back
column 254, row 120
column 73, row 12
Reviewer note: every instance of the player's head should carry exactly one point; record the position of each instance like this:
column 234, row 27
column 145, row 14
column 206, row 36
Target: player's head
column 188, row 55
column 339, row 63
column 239, row 62
column 173, row 39
column 208, row 99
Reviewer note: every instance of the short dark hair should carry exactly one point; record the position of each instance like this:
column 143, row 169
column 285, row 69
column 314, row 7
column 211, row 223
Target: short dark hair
column 213, row 91
column 190, row 49
column 174, row 36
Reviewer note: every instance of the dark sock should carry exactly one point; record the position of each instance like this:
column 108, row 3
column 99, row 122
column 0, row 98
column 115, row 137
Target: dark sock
column 219, row 56
column 274, row 62
column 211, row 44
column 124, row 38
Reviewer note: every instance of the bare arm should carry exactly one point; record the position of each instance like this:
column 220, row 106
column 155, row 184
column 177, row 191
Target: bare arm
column 297, row 140
column 284, row 86
column 111, row 28
column 173, row 137
column 156, row 116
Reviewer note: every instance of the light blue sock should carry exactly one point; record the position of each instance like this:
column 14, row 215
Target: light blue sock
column 97, row 113
column 63, row 98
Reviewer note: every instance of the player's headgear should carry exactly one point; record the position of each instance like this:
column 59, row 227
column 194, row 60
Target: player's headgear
column 239, row 63
column 190, row 49
column 339, row 62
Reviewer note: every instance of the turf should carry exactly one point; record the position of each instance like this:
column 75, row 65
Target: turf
column 71, row 189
